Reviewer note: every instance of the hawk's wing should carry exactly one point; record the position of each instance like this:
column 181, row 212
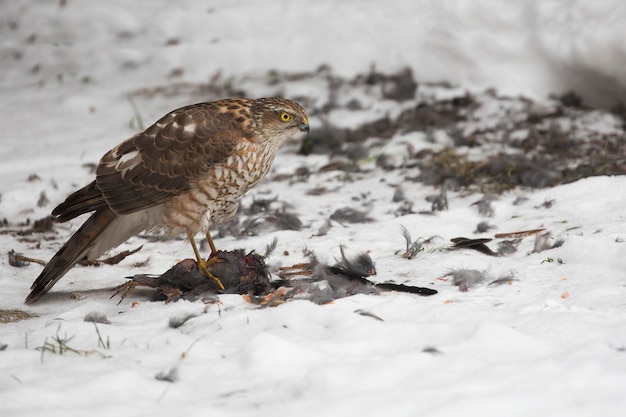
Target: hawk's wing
column 167, row 159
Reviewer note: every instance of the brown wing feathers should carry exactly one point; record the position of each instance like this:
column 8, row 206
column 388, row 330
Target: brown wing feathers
column 165, row 160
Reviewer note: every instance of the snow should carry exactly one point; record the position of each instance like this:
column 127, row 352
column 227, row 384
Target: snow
column 550, row 343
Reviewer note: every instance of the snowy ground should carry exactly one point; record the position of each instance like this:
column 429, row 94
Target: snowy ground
column 550, row 341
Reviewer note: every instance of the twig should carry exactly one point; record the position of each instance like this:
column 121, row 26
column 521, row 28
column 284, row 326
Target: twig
column 113, row 260
column 522, row 233
column 19, row 260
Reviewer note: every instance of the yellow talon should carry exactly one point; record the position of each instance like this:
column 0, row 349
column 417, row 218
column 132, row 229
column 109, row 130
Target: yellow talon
column 202, row 264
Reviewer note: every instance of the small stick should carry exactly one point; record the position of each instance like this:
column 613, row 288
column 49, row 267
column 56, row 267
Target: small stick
column 522, row 233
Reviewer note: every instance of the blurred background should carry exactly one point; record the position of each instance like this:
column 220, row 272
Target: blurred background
column 532, row 48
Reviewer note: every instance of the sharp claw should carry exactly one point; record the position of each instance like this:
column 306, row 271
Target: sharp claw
column 202, row 265
column 123, row 290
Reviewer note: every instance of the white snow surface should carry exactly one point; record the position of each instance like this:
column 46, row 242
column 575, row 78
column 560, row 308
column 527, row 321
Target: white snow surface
column 553, row 342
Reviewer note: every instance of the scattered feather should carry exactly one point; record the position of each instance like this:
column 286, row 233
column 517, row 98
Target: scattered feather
column 439, row 202
column 176, row 322
column 411, row 289
column 520, row 200
column 350, row 215
column 260, row 206
column 412, row 247
column 96, row 317
column 406, row 207
column 271, row 222
column 367, row 313
column 546, row 204
column 270, row 247
column 484, row 206
column 505, row 279
column 467, row 278
column 483, row 227
column 508, row 247
column 475, row 244
column 545, row 241
column 360, row 266
column 170, row 375
column 325, row 228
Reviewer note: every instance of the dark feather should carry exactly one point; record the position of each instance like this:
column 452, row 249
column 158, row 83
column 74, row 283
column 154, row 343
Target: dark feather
column 359, row 267
column 72, row 252
column 476, row 244
column 85, row 200
column 390, row 286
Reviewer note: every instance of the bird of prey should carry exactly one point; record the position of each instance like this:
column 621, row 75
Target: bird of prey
column 185, row 173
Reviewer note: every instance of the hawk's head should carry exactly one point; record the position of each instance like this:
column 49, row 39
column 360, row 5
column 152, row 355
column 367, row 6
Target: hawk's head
column 278, row 119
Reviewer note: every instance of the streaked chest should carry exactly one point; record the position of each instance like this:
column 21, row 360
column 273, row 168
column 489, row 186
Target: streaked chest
column 215, row 197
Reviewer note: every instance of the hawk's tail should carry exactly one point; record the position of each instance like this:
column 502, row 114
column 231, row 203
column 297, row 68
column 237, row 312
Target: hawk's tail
column 73, row 251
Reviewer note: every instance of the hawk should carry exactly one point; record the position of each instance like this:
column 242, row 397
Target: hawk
column 185, row 173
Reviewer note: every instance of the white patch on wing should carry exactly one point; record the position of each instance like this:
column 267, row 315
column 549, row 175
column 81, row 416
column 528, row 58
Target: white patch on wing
column 127, row 162
column 190, row 128
column 127, row 157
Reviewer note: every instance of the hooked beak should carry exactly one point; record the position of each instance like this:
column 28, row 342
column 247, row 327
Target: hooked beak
column 304, row 126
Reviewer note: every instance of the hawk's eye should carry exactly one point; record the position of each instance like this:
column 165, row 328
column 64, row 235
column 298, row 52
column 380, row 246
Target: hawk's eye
column 285, row 117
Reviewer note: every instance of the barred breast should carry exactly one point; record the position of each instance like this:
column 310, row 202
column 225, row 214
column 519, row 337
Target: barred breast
column 215, row 199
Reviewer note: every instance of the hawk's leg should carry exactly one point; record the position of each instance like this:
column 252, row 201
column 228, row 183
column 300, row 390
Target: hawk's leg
column 202, row 264
column 211, row 244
